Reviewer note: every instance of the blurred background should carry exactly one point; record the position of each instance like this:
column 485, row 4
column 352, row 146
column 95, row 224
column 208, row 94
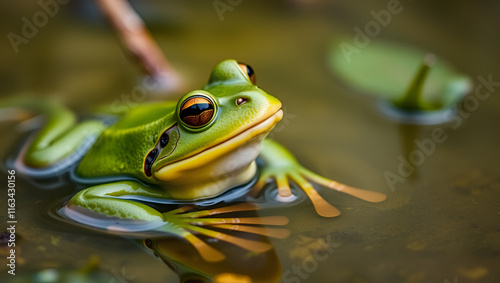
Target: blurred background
column 442, row 223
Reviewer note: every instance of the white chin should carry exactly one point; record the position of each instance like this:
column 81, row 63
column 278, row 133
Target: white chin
column 233, row 168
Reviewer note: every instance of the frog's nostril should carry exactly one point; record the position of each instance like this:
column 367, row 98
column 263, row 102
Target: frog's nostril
column 241, row 100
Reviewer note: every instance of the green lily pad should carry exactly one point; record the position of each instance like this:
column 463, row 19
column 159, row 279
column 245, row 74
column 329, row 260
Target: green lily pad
column 405, row 76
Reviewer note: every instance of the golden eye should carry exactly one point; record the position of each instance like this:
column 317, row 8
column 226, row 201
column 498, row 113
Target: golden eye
column 197, row 111
column 247, row 70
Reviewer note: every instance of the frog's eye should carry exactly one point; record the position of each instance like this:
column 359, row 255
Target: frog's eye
column 248, row 71
column 197, row 111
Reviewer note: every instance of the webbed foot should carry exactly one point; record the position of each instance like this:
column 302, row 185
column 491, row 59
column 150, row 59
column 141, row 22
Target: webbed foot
column 186, row 224
column 283, row 168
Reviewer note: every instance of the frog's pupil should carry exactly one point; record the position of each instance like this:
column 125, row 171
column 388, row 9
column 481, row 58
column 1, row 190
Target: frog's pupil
column 197, row 114
column 250, row 71
column 164, row 140
column 150, row 159
column 247, row 69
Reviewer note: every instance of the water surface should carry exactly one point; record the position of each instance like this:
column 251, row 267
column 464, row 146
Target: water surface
column 441, row 223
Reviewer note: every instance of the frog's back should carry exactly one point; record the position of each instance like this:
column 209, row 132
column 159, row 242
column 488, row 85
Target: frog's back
column 121, row 148
column 145, row 114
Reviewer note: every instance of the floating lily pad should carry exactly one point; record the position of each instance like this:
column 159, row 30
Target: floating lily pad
column 406, row 77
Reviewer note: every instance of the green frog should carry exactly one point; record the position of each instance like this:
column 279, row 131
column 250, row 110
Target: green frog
column 197, row 148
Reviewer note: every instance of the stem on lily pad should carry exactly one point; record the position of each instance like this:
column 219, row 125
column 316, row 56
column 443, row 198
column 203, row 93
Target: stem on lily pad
column 413, row 100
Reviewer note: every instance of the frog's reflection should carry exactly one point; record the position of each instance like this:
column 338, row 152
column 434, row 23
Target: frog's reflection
column 227, row 242
column 236, row 251
column 238, row 265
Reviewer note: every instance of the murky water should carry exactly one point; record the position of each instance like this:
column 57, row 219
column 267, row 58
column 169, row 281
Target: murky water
column 441, row 221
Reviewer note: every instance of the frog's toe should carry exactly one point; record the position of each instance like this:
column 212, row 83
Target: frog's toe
column 263, row 180
column 265, row 220
column 322, row 207
column 244, row 206
column 359, row 193
column 279, row 233
column 187, row 223
column 207, row 252
column 283, row 187
column 247, row 244
column 284, row 191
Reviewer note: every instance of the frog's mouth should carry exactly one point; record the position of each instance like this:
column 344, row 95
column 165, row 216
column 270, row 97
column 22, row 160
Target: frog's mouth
column 248, row 141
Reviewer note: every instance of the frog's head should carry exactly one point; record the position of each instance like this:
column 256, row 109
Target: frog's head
column 219, row 132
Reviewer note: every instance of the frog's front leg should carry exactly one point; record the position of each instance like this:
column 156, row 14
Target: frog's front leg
column 106, row 202
column 106, row 206
column 282, row 166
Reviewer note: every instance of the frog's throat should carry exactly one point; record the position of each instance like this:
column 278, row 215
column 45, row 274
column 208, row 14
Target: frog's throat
column 220, row 167
column 214, row 187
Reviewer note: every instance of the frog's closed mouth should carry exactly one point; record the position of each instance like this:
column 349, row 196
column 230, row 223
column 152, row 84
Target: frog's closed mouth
column 249, row 139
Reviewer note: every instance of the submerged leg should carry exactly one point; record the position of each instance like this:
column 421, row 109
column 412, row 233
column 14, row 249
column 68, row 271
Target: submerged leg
column 282, row 166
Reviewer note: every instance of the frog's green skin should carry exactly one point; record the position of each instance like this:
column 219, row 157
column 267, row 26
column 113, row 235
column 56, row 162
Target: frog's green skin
column 195, row 163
